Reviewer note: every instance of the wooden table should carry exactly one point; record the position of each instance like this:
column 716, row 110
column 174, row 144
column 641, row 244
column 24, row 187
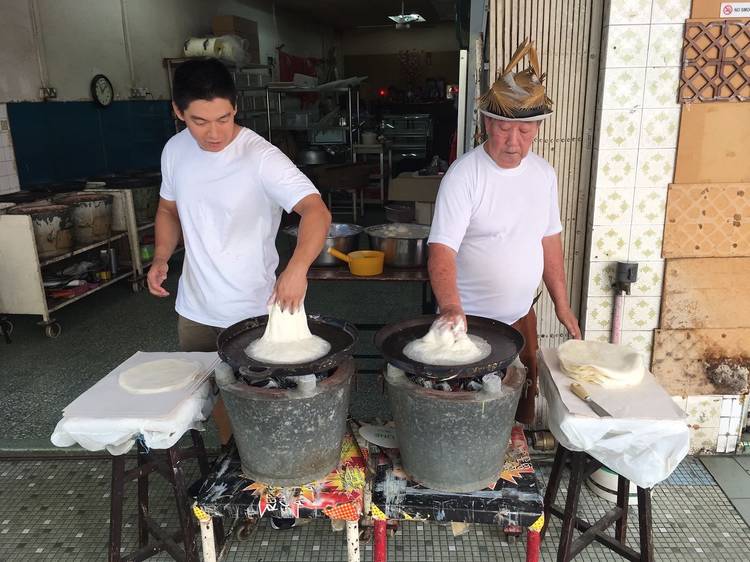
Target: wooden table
column 514, row 502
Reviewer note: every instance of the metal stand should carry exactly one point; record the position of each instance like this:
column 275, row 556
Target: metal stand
column 181, row 545
column 581, row 466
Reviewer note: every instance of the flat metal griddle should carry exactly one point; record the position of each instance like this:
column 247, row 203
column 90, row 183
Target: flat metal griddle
column 233, row 340
column 506, row 342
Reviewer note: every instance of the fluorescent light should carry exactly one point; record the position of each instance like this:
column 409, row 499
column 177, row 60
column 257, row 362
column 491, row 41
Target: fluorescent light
column 407, row 18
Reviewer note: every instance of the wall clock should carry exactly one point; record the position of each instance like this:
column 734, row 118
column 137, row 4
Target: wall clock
column 102, row 90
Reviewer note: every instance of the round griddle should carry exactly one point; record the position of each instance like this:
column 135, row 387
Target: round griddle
column 233, row 340
column 506, row 342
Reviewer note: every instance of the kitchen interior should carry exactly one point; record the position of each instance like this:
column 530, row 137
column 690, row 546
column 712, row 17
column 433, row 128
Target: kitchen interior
column 372, row 101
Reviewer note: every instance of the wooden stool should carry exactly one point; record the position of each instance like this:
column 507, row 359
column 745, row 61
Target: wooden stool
column 581, row 467
column 168, row 464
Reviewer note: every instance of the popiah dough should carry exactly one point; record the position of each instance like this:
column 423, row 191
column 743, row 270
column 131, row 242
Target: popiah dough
column 287, row 339
column 607, row 364
column 446, row 345
column 161, row 375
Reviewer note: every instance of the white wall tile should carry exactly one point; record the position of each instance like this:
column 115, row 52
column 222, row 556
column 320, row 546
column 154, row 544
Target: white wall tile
column 601, row 278
column 641, row 313
column 670, row 11
column 598, row 314
column 597, row 335
column 641, row 341
column 610, row 243
column 623, row 88
column 659, row 128
column 704, row 410
column 650, row 279
column 619, row 128
column 616, row 168
column 655, row 167
column 624, row 12
column 627, row 46
column 645, row 242
column 649, row 205
column 613, row 206
column 665, row 45
column 662, row 83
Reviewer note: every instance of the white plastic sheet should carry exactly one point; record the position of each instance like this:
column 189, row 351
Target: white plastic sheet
column 644, row 440
column 182, row 410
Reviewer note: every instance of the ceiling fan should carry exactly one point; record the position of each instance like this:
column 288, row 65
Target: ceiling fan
column 400, row 21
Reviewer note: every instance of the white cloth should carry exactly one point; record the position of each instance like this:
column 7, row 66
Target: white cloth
column 230, row 205
column 107, row 417
column 644, row 440
column 495, row 219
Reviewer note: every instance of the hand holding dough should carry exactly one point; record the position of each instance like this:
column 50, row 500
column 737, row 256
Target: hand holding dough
column 447, row 344
column 606, row 364
column 287, row 339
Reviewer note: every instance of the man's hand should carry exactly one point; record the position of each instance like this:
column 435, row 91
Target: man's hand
column 290, row 289
column 568, row 319
column 453, row 316
column 157, row 273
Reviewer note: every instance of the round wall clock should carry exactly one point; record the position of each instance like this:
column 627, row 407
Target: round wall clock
column 102, row 90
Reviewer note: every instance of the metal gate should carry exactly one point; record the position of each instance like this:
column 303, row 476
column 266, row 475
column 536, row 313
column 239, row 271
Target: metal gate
column 567, row 34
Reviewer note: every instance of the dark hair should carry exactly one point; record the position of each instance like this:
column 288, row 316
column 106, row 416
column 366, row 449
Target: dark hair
column 202, row 79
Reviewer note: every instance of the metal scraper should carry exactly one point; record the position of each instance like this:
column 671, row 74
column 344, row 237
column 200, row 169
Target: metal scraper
column 583, row 394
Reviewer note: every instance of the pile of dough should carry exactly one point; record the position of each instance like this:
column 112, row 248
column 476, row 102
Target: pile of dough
column 606, row 364
column 162, row 375
column 287, row 339
column 447, row 345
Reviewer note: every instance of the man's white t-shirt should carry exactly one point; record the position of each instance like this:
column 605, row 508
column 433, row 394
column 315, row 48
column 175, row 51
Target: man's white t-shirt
column 230, row 205
column 495, row 219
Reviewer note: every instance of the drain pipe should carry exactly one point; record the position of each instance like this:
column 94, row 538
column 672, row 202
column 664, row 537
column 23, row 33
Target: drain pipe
column 626, row 274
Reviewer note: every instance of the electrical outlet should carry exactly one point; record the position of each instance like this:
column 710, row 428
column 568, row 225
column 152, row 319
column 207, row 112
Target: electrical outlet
column 139, row 93
column 47, row 93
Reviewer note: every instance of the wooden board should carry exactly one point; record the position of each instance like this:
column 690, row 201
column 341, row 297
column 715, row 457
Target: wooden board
column 713, row 146
column 706, row 293
column 715, row 61
column 707, row 9
column 682, row 359
column 707, row 220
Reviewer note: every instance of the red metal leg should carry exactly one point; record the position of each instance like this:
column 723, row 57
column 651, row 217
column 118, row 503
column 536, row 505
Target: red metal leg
column 380, row 540
column 533, row 545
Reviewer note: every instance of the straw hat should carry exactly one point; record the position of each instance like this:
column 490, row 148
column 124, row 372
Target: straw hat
column 518, row 96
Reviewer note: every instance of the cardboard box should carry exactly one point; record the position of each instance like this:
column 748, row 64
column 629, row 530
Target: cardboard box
column 408, row 186
column 247, row 29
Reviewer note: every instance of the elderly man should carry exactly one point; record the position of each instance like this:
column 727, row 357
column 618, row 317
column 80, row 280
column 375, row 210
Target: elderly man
column 496, row 230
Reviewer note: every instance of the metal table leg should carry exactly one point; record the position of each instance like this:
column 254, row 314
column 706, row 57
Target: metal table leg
column 380, row 553
column 208, row 545
column 352, row 541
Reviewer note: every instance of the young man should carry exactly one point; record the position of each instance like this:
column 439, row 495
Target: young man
column 223, row 190
column 496, row 230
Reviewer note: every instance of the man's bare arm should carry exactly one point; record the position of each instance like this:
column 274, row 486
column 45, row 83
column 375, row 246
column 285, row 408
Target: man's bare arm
column 167, row 232
column 442, row 268
column 291, row 285
column 554, row 280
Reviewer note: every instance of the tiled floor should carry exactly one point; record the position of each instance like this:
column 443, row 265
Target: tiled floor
column 732, row 474
column 59, row 510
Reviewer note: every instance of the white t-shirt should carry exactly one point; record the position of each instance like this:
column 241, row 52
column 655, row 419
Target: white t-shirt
column 230, row 205
column 495, row 219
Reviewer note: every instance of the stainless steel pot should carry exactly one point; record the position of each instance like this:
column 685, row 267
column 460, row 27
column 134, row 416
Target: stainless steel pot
column 344, row 237
column 312, row 156
column 400, row 250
